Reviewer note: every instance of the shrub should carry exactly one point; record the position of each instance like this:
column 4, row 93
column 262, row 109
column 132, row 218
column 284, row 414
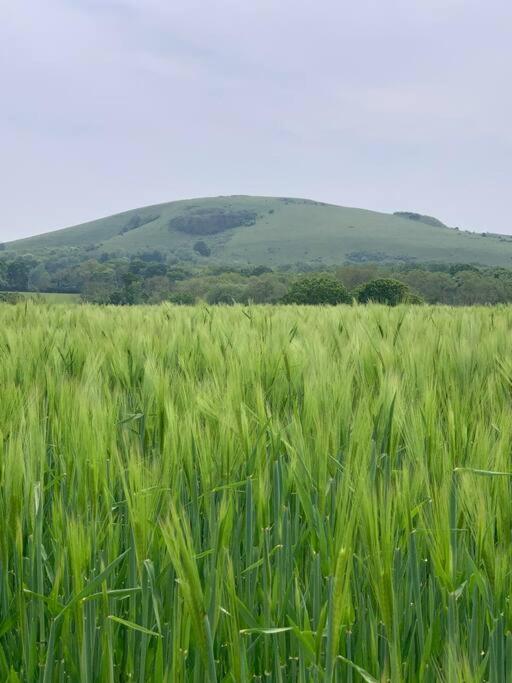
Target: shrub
column 182, row 298
column 384, row 291
column 211, row 221
column 226, row 293
column 202, row 248
column 9, row 297
column 317, row 290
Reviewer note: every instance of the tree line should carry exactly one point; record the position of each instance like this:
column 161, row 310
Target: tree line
column 152, row 278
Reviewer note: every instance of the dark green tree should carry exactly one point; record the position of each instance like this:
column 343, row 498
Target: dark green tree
column 18, row 272
column 202, row 248
column 459, row 267
column 317, row 291
column 226, row 293
column 130, row 292
column 385, row 291
column 3, row 274
column 432, row 287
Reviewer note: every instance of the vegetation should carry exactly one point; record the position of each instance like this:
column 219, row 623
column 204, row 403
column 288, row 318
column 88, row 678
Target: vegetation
column 429, row 220
column 150, row 277
column 287, row 494
column 272, row 231
column 384, row 291
column 36, row 297
column 317, row 290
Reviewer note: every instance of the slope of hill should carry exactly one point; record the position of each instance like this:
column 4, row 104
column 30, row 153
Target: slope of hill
column 274, row 231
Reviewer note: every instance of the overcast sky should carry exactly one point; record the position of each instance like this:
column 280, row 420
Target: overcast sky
column 108, row 105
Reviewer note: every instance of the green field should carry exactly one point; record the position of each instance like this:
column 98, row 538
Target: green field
column 47, row 297
column 273, row 231
column 255, row 494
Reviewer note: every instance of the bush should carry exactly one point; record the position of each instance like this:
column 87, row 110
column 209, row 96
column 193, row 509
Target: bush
column 211, row 221
column 182, row 298
column 317, row 291
column 202, row 248
column 9, row 298
column 226, row 293
column 265, row 289
column 385, row 291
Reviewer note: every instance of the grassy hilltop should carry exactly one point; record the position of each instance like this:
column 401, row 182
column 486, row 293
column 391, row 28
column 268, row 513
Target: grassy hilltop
column 274, row 231
column 239, row 494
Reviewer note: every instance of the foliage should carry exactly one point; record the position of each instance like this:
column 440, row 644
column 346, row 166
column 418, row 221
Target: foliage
column 9, row 297
column 226, row 293
column 412, row 216
column 18, row 272
column 384, row 291
column 317, row 290
column 202, row 248
column 434, row 287
column 209, row 221
column 150, row 277
column 255, row 493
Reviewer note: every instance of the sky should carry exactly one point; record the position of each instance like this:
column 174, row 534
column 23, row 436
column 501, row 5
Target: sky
column 108, row 105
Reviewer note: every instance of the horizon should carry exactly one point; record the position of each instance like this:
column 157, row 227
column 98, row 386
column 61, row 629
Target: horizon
column 111, row 106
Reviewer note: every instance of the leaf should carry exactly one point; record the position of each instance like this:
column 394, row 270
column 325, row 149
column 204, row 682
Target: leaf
column 92, row 584
column 116, row 593
column 458, row 591
column 130, row 418
column 364, row 674
column 135, row 627
column 482, row 473
column 6, row 625
column 267, row 631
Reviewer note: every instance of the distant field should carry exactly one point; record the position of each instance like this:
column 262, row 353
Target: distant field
column 274, row 232
column 49, row 298
column 255, row 494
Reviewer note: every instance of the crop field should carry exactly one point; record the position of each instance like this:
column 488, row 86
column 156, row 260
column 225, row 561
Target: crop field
column 260, row 494
column 45, row 297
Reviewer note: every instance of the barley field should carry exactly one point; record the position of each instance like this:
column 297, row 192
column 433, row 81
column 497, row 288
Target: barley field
column 260, row 494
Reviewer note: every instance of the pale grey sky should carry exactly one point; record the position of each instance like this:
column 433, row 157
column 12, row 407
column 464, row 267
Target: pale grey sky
column 107, row 105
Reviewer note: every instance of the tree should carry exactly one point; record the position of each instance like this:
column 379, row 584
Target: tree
column 182, row 298
column 433, row 287
column 18, row 272
column 317, row 290
column 97, row 281
column 466, row 267
column 156, row 289
column 385, row 291
column 353, row 276
column 256, row 271
column 130, row 292
column 176, row 274
column 3, row 274
column 473, row 288
column 38, row 279
column 202, row 248
column 226, row 293
column 265, row 289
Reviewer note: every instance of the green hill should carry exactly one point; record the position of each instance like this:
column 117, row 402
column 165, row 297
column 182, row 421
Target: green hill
column 274, row 231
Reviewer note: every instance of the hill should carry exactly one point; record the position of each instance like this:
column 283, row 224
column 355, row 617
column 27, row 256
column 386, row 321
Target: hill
column 273, row 231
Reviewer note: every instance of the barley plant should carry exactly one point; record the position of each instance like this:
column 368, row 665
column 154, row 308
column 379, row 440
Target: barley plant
column 242, row 494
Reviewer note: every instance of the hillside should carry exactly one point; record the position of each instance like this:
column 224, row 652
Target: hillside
column 274, row 231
